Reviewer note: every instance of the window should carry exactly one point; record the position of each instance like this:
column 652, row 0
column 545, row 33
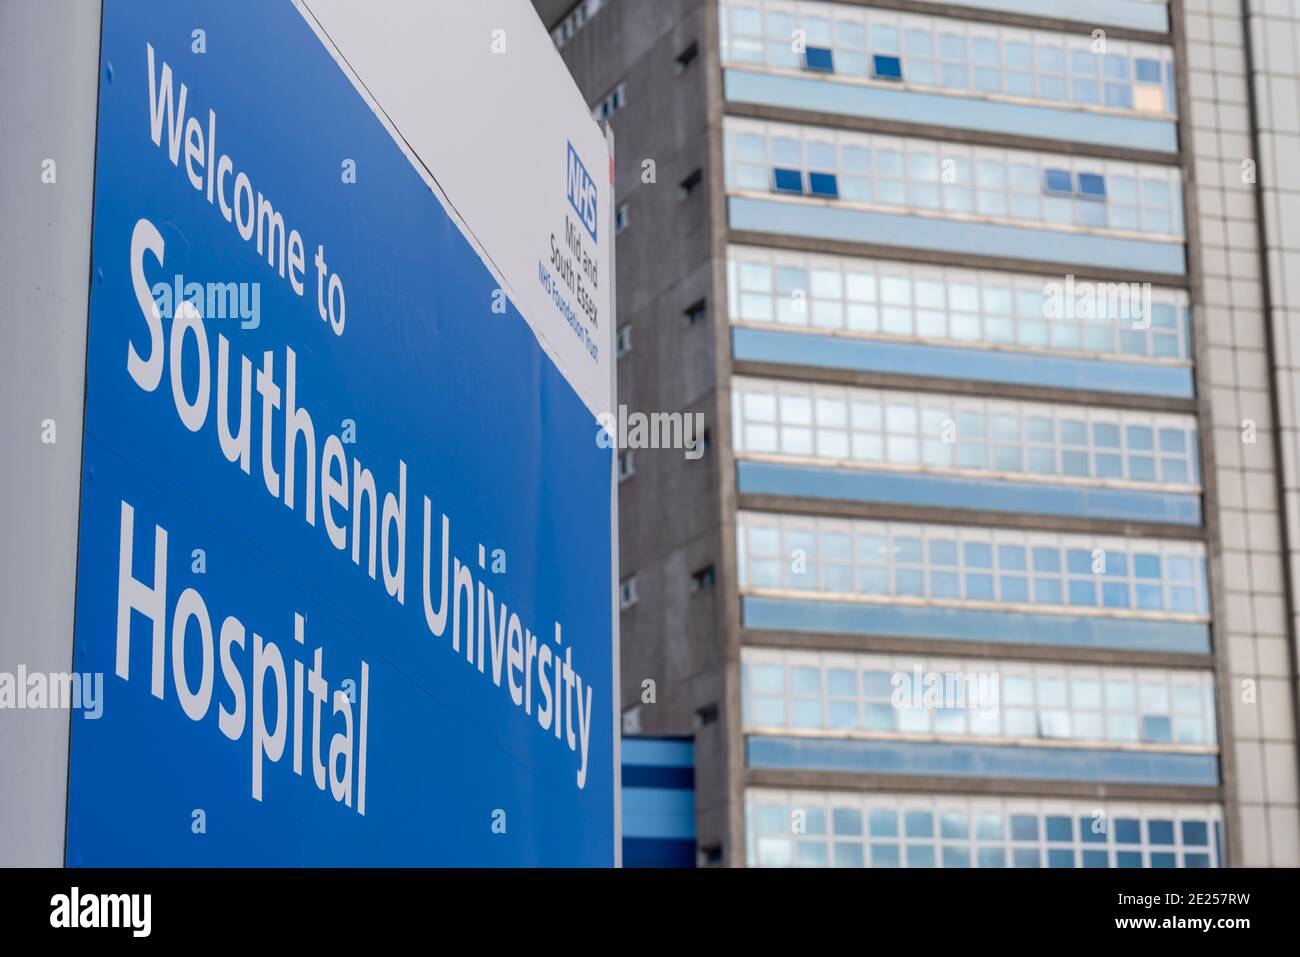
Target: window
column 627, row 592
column 852, row 560
column 1058, row 181
column 687, row 57
column 575, row 21
column 823, row 184
column 620, row 218
column 1092, row 186
column 908, row 174
column 626, row 465
column 787, row 180
column 951, row 55
column 702, row 578
column 880, row 829
column 867, row 297
column 818, row 59
column 691, row 183
column 695, row 311
column 946, row 433
column 609, row 104
column 623, row 341
column 885, row 67
column 1003, row 700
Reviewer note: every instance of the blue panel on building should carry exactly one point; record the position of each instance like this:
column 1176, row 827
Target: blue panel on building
column 974, row 624
column 955, row 362
column 939, row 109
column 975, row 760
column 272, row 662
column 848, row 224
column 986, row 495
column 658, row 802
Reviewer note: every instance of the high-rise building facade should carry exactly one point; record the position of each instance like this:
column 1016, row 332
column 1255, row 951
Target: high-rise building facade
column 989, row 554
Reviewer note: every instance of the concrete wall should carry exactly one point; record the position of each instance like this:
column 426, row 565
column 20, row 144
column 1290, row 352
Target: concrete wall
column 670, row 508
column 49, row 66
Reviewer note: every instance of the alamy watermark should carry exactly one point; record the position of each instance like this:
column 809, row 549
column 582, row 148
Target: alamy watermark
column 948, row 690
column 214, row 300
column 654, row 430
column 1083, row 299
column 34, row 691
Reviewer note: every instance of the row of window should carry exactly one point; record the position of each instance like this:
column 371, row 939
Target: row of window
column 951, row 55
column 840, row 829
column 936, row 431
column 956, row 306
column 610, row 103
column 578, row 18
column 907, row 695
column 953, row 563
column 928, row 176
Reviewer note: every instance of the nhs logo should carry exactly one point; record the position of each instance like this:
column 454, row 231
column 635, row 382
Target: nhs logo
column 582, row 192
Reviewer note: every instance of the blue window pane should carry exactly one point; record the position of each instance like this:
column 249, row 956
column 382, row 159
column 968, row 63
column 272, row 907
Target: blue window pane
column 1163, row 860
column 1105, row 435
column 1196, row 860
column 1047, row 592
column 979, row 587
column 884, row 855
column 1083, row 593
column 1092, row 185
column 1047, row 560
column 1160, row 832
column 884, row 823
column 954, row 825
column 944, row 585
column 819, row 58
column 846, row 820
column 1024, row 827
column 1079, row 561
column 978, row 555
column 849, row 855
column 992, row 857
column 823, row 184
column 1196, row 833
column 919, row 824
column 1058, row 181
column 1148, row 71
column 1088, row 835
column 886, row 67
column 1128, row 859
column 1156, row 730
column 1011, row 557
column 787, row 180
column 989, row 827
column 956, row 856
column 1128, row 831
column 1026, row 857
column 1014, row 588
column 1060, row 829
column 1094, row 859
column 1114, row 595
column 1059, row 857
column 1119, row 95
column 920, row 856
column 1146, row 566
column 907, row 550
column 943, row 552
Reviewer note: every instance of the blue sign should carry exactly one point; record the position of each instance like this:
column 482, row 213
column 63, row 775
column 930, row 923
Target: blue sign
column 344, row 556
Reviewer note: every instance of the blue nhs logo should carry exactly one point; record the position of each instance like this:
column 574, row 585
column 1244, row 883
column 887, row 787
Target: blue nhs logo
column 582, row 192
